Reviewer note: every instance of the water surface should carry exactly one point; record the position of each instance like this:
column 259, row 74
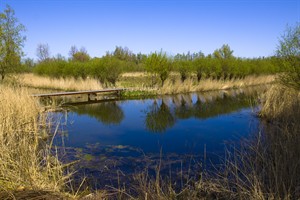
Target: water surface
column 186, row 132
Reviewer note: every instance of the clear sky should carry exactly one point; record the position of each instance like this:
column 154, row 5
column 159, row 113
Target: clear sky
column 250, row 27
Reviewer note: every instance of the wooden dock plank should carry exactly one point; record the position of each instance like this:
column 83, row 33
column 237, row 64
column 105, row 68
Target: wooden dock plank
column 78, row 92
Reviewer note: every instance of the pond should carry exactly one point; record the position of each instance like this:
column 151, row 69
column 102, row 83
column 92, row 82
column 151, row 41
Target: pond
column 185, row 133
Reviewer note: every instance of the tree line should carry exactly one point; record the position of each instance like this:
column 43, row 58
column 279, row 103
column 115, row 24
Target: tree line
column 219, row 65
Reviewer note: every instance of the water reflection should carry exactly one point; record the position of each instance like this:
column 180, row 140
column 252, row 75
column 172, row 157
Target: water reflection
column 163, row 112
column 159, row 118
column 111, row 136
column 105, row 112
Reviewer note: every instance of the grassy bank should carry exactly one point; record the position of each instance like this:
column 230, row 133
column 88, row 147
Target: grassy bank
column 28, row 166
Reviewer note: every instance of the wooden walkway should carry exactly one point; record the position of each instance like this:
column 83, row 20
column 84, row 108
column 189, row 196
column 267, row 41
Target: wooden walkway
column 88, row 92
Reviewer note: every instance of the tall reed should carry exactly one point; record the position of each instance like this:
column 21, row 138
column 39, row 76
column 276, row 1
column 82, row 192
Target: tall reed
column 175, row 86
column 27, row 162
column 67, row 84
column 281, row 103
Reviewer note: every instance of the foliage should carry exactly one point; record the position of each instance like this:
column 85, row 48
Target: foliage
column 79, row 55
column 158, row 64
column 221, row 65
column 289, row 52
column 184, row 68
column 11, row 42
column 112, row 69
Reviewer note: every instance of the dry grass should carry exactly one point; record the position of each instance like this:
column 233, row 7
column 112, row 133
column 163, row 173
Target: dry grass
column 135, row 74
column 67, row 84
column 139, row 81
column 281, row 104
column 189, row 85
column 27, row 162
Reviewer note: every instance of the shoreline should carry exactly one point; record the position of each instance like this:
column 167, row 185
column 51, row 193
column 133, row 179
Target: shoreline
column 140, row 87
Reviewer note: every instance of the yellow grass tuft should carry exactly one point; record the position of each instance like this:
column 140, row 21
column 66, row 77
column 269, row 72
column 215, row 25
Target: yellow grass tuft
column 281, row 103
column 27, row 162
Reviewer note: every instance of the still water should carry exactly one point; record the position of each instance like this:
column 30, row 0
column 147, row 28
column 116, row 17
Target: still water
column 181, row 132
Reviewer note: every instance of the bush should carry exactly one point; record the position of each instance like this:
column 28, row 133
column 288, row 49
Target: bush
column 289, row 53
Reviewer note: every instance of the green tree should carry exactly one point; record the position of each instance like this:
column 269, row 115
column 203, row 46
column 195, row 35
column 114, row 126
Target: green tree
column 184, row 68
column 112, row 69
column 28, row 65
column 289, row 52
column 225, row 56
column 81, row 55
column 224, row 52
column 11, row 42
column 124, row 54
column 106, row 69
column 97, row 69
column 200, row 67
column 158, row 64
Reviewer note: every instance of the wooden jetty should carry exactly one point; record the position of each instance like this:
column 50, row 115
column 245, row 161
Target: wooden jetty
column 88, row 92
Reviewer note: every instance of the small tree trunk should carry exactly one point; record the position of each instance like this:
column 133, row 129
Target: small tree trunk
column 199, row 76
column 2, row 76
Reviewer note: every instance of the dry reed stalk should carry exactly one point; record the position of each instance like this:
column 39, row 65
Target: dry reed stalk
column 189, row 85
column 281, row 103
column 27, row 163
column 171, row 86
column 134, row 74
column 67, row 84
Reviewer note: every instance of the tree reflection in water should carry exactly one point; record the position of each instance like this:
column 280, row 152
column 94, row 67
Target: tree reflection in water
column 159, row 118
column 162, row 116
column 183, row 109
column 106, row 112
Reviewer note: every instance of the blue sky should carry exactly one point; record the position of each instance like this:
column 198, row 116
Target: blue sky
column 250, row 27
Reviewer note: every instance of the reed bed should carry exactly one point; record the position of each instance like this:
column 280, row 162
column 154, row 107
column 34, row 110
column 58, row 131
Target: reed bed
column 281, row 104
column 65, row 84
column 140, row 81
column 176, row 86
column 28, row 165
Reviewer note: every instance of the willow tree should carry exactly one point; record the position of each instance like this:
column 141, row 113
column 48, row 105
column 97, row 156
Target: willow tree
column 158, row 64
column 11, row 42
column 288, row 51
column 225, row 56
